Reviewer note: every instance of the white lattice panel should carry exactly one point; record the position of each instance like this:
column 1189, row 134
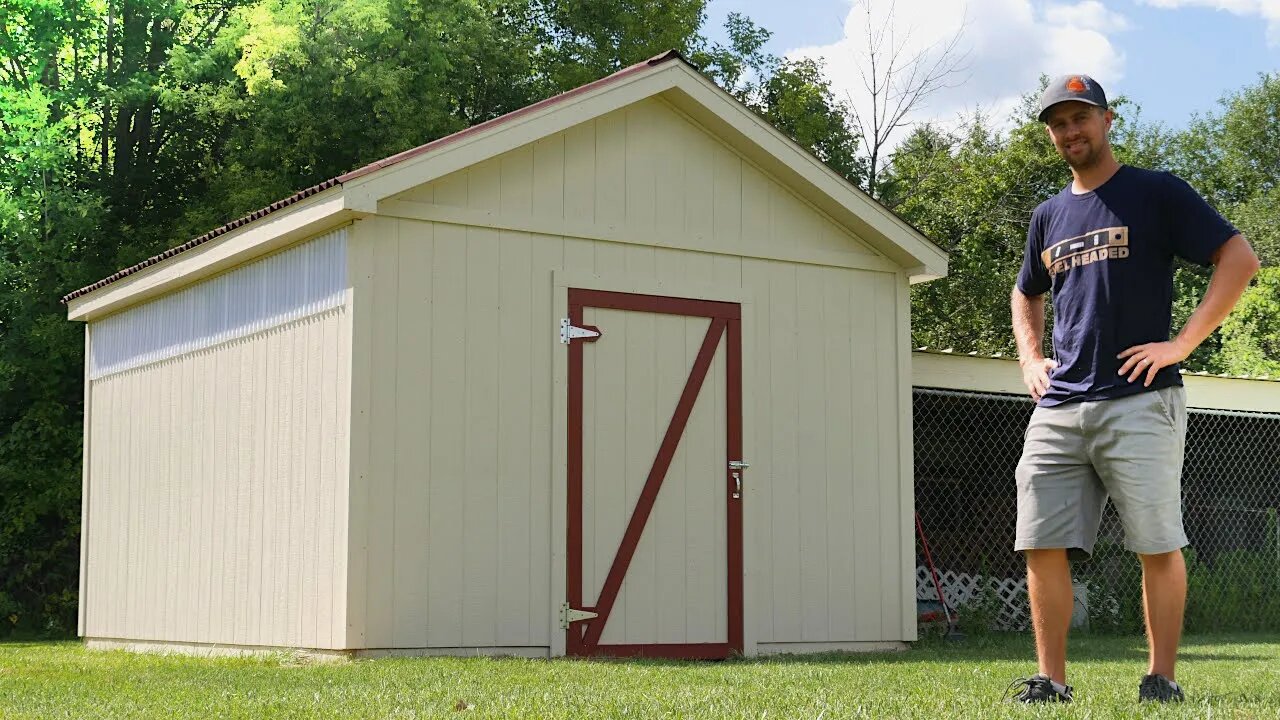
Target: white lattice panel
column 958, row 589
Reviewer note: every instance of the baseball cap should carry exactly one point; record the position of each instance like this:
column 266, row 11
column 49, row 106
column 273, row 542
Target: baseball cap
column 1080, row 88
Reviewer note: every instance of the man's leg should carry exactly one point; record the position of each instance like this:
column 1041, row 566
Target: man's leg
column 1164, row 595
column 1138, row 450
column 1049, row 587
column 1060, row 501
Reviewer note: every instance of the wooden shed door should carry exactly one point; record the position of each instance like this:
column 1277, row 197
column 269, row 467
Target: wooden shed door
column 654, row 500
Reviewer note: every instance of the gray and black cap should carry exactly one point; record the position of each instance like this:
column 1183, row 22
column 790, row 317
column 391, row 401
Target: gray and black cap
column 1080, row 88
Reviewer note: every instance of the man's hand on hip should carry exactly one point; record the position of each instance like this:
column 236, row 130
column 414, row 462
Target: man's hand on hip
column 1035, row 375
column 1149, row 358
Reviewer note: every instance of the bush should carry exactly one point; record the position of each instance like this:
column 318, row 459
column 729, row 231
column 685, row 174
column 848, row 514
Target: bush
column 1238, row 591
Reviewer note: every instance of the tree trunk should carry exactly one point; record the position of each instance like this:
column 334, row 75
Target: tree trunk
column 106, row 80
column 50, row 80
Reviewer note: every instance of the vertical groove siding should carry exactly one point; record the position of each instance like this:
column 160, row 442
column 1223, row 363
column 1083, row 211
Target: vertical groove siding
column 452, row 545
column 219, row 476
column 304, row 280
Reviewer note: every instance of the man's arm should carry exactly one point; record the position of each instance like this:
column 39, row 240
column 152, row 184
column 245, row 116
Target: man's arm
column 1234, row 265
column 1028, row 330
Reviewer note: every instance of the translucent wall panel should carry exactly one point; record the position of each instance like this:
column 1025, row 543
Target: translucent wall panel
column 298, row 282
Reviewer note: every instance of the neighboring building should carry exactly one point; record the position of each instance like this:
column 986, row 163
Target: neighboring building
column 970, row 415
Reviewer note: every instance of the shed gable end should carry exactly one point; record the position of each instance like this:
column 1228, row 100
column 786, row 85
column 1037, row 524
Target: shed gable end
column 643, row 173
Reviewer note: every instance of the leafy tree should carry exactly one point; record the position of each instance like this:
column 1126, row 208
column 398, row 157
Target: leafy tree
column 798, row 100
column 973, row 193
column 1259, row 219
column 793, row 95
column 1251, row 333
column 1232, row 156
column 741, row 66
column 304, row 90
column 1233, row 159
column 47, row 217
column 583, row 40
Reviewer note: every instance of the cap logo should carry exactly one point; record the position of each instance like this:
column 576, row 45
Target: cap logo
column 1077, row 84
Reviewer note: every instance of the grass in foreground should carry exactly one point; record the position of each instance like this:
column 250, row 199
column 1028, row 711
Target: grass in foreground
column 1225, row 677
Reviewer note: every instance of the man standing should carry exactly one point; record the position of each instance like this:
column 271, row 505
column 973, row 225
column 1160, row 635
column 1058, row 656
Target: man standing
column 1111, row 411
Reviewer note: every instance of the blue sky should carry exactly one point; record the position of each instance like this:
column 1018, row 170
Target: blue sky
column 1174, row 57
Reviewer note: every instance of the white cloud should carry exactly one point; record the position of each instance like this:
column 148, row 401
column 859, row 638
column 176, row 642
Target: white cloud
column 1088, row 15
column 1009, row 44
column 1268, row 10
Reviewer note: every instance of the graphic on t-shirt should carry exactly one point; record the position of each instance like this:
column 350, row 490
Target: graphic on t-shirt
column 1094, row 246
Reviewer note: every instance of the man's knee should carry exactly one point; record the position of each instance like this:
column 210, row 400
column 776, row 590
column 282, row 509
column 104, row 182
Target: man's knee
column 1037, row 556
column 1159, row 561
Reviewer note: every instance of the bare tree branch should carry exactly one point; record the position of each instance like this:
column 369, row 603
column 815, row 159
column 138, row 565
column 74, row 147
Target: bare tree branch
column 896, row 81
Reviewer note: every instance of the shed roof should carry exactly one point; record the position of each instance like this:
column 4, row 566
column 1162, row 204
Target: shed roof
column 668, row 74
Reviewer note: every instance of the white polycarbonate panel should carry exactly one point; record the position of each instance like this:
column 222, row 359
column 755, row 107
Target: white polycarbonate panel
column 293, row 284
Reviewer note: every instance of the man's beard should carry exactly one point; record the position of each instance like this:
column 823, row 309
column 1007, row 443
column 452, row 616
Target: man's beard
column 1083, row 162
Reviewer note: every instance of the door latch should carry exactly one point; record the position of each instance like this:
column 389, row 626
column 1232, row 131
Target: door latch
column 737, row 466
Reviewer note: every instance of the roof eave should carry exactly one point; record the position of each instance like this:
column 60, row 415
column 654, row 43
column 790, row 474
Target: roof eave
column 281, row 228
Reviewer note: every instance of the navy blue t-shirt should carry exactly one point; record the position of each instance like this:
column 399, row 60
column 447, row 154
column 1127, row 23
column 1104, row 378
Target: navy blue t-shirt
column 1108, row 257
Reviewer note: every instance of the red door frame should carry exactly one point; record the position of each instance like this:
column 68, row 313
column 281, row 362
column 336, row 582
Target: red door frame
column 582, row 637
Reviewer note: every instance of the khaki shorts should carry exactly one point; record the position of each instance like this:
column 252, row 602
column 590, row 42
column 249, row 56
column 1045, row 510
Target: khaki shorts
column 1076, row 455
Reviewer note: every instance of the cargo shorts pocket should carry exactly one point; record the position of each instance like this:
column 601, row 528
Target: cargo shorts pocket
column 1164, row 404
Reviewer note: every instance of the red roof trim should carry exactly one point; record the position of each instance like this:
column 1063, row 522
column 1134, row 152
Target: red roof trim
column 373, row 167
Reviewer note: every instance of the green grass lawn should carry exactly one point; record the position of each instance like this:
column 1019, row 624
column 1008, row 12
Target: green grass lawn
column 1225, row 677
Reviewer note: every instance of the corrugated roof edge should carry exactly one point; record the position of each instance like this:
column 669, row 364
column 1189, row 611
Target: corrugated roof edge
column 1001, row 356
column 371, row 167
column 216, row 232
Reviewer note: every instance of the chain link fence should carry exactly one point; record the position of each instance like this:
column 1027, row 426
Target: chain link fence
column 967, row 446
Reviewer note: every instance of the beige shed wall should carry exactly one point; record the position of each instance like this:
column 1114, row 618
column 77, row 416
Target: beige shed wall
column 455, row 335
column 217, row 504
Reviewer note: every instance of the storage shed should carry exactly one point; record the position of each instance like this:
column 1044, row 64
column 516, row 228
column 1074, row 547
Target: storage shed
column 625, row 372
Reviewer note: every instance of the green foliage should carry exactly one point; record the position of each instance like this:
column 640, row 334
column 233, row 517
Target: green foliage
column 1259, row 219
column 1251, row 334
column 793, row 95
column 130, row 126
column 1239, row 591
column 1113, row 580
column 45, row 217
column 331, row 85
column 582, row 40
column 741, row 66
column 973, row 194
column 798, row 100
column 979, row 617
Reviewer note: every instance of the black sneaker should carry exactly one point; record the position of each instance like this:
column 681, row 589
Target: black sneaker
column 1039, row 689
column 1158, row 688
